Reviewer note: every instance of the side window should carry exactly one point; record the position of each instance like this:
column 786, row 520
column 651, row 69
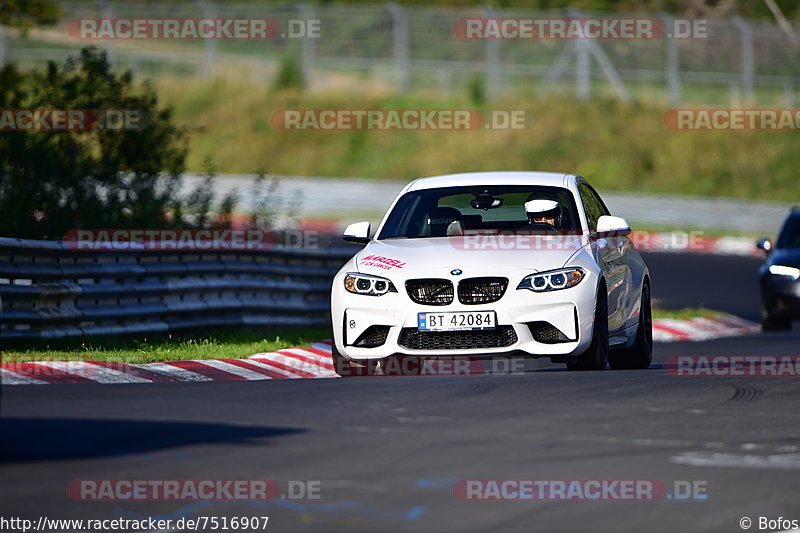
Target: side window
column 601, row 206
column 590, row 205
column 789, row 236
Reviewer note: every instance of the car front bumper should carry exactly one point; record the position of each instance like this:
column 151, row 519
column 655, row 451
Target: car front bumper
column 520, row 315
column 781, row 296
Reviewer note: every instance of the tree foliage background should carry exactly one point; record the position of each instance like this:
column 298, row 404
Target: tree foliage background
column 52, row 182
column 25, row 14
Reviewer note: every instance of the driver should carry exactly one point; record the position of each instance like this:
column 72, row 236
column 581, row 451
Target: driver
column 543, row 211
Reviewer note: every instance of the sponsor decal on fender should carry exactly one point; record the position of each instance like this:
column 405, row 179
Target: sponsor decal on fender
column 387, row 263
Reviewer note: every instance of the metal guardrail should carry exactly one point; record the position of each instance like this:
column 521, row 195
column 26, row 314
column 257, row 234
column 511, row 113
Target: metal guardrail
column 50, row 291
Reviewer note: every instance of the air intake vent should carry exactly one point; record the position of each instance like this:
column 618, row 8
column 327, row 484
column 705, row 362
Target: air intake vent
column 475, row 291
column 414, row 339
column 547, row 333
column 373, row 336
column 430, row 291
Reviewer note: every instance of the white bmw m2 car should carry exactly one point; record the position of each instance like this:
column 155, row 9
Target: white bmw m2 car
column 493, row 263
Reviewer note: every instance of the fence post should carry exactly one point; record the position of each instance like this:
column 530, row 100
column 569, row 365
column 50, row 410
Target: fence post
column 307, row 51
column 736, row 100
column 209, row 45
column 2, row 45
column 108, row 44
column 400, row 46
column 746, row 58
column 583, row 73
column 608, row 69
column 494, row 82
column 673, row 65
column 559, row 67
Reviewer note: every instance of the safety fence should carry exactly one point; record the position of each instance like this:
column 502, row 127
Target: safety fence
column 403, row 48
column 49, row 290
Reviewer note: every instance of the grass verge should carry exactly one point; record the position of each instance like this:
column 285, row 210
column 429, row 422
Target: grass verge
column 686, row 313
column 218, row 344
column 616, row 145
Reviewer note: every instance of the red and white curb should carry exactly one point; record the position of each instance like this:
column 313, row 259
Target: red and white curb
column 702, row 328
column 309, row 362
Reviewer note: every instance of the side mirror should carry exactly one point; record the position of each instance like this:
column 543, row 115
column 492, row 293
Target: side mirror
column 765, row 245
column 608, row 226
column 358, row 232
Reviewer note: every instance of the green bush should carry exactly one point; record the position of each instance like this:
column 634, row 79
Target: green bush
column 289, row 76
column 55, row 181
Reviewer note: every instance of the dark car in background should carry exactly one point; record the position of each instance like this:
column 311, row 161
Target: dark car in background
column 779, row 276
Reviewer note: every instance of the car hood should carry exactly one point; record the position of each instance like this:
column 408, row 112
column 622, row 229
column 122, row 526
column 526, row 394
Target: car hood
column 473, row 255
column 785, row 256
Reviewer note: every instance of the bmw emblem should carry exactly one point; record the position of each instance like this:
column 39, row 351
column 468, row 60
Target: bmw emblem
column 456, row 272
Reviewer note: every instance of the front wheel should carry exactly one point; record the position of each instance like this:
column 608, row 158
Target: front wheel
column 596, row 355
column 770, row 323
column 640, row 355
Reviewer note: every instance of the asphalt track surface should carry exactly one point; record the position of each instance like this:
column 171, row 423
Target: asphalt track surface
column 387, row 450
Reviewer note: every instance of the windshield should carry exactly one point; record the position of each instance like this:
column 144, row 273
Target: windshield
column 452, row 211
column 790, row 234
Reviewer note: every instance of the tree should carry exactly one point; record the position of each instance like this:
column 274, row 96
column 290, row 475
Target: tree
column 25, row 14
column 55, row 181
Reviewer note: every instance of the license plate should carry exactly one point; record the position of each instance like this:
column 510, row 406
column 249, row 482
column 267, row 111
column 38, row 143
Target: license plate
column 456, row 321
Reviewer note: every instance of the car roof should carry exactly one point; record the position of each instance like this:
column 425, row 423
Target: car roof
column 551, row 179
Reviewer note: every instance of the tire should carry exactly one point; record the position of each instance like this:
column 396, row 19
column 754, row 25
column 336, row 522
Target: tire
column 347, row 369
column 640, row 355
column 770, row 323
column 596, row 355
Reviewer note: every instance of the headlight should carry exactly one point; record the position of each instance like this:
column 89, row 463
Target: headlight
column 780, row 270
column 366, row 284
column 553, row 280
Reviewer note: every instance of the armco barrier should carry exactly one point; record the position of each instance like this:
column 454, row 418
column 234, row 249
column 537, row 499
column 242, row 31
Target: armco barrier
column 49, row 290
